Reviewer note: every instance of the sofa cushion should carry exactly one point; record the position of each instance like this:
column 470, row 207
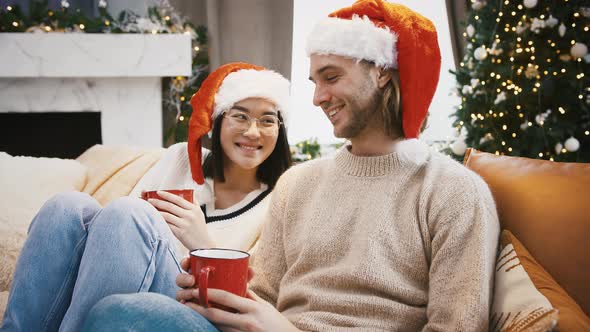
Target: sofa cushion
column 510, row 295
column 545, row 205
column 27, row 182
column 518, row 305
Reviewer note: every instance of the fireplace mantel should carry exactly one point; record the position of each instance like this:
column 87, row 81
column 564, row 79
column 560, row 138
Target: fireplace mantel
column 94, row 55
column 118, row 75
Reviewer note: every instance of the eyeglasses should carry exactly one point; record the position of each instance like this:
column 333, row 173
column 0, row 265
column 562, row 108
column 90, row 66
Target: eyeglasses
column 267, row 124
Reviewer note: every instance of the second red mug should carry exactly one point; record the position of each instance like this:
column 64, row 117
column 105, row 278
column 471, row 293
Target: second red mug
column 224, row 269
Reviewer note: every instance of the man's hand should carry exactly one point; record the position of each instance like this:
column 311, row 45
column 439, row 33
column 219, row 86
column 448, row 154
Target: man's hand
column 253, row 313
column 186, row 220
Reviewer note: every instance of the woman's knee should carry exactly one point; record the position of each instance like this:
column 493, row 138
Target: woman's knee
column 70, row 201
column 131, row 212
column 127, row 204
column 66, row 210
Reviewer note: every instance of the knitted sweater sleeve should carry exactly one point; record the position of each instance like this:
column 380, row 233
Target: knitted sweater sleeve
column 268, row 261
column 464, row 233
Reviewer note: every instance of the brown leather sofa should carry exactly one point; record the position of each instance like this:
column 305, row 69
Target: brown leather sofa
column 546, row 205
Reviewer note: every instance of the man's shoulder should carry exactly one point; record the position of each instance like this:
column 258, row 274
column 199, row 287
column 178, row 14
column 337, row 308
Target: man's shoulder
column 311, row 167
column 452, row 190
column 443, row 168
column 306, row 172
column 449, row 180
column 446, row 183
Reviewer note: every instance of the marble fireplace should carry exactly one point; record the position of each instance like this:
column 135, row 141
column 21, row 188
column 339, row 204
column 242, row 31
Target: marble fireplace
column 63, row 85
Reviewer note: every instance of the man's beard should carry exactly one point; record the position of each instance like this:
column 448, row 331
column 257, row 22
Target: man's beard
column 363, row 110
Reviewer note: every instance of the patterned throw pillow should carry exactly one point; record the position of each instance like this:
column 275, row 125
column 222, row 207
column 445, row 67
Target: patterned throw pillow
column 518, row 305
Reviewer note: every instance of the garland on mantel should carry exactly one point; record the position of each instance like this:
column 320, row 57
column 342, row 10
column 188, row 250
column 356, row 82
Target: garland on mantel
column 162, row 18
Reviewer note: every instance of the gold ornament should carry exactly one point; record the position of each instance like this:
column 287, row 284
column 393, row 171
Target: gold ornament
column 565, row 57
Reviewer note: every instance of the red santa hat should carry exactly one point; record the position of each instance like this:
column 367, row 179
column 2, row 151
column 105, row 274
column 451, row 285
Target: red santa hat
column 223, row 88
column 391, row 36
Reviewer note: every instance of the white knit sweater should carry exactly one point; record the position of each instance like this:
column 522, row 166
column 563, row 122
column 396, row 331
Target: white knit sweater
column 400, row 242
column 236, row 227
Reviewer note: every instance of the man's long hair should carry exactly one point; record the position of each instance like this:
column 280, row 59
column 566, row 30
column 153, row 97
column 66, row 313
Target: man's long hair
column 390, row 106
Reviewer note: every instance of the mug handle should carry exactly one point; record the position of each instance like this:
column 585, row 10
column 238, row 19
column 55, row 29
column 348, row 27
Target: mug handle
column 203, row 285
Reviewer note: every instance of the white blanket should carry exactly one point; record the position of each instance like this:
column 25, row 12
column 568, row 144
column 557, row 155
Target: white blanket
column 25, row 184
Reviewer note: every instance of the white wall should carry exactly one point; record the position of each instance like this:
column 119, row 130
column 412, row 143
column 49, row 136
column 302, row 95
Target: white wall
column 309, row 121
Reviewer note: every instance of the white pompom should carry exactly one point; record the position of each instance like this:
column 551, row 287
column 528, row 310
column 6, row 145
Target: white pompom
column 561, row 30
column 572, row 144
column 470, row 30
column 459, row 147
column 558, row 148
column 530, row 3
column 480, row 53
column 579, row 50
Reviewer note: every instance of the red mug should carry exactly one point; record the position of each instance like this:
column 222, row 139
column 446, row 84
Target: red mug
column 225, row 269
column 184, row 193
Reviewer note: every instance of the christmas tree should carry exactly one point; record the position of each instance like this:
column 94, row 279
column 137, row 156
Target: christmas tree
column 523, row 81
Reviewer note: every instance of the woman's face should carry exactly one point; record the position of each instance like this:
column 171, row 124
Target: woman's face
column 247, row 144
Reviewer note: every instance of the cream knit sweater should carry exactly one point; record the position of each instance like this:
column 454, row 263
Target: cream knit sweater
column 401, row 242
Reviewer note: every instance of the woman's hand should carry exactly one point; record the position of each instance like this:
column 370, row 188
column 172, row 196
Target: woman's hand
column 186, row 220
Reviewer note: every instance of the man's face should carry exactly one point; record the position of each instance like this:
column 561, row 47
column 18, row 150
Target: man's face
column 346, row 91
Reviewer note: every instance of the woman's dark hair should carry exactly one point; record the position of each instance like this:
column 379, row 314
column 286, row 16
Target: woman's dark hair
column 268, row 172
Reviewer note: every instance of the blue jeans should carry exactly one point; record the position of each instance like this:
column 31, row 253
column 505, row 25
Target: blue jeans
column 144, row 312
column 77, row 253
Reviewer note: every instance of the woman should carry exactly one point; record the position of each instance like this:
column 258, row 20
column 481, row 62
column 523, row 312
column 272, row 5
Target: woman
column 77, row 252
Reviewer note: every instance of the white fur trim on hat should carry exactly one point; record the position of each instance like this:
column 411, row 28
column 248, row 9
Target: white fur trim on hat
column 251, row 83
column 357, row 38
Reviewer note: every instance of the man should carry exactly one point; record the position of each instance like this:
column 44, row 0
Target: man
column 387, row 235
